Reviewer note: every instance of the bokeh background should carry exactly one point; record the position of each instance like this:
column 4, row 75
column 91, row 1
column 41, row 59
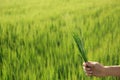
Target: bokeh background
column 36, row 41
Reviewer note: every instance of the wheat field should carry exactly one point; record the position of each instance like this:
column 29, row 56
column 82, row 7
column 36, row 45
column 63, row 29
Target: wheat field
column 36, row 41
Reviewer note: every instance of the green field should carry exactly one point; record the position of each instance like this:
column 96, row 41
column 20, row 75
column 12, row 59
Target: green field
column 36, row 41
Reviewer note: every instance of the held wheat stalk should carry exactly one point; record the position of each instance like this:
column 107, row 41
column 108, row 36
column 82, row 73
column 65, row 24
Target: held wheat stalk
column 80, row 46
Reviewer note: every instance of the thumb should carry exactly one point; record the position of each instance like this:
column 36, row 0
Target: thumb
column 89, row 64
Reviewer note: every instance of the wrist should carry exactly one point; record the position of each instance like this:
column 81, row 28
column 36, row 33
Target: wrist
column 106, row 71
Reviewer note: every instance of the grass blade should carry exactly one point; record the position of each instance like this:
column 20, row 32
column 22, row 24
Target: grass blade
column 80, row 47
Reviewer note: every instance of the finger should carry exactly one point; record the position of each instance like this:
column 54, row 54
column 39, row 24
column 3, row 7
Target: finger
column 89, row 64
column 88, row 69
column 84, row 64
column 84, row 69
column 89, row 74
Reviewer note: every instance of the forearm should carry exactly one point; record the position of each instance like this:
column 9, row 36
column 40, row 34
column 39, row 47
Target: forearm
column 112, row 70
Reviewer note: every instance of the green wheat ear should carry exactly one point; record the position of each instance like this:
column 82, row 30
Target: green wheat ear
column 80, row 46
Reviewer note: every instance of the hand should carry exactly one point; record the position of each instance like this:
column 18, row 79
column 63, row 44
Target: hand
column 94, row 69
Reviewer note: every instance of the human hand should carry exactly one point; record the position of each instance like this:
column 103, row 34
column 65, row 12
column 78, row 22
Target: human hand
column 94, row 69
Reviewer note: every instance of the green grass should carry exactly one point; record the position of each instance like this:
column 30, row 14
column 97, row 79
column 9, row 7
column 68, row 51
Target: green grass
column 36, row 41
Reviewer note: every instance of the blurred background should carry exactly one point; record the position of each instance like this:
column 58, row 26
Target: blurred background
column 36, row 41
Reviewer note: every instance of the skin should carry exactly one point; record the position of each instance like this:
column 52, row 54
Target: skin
column 98, row 70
